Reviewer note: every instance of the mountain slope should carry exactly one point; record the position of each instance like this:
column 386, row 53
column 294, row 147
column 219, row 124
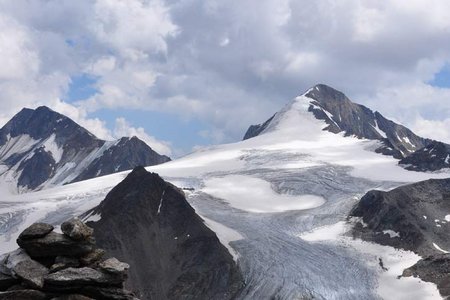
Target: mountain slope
column 41, row 148
column 173, row 255
column 341, row 115
column 414, row 217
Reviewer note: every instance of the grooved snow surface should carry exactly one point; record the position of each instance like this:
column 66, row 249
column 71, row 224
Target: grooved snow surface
column 285, row 172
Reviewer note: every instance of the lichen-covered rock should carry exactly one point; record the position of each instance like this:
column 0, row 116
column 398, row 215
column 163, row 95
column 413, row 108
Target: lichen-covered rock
column 36, row 230
column 23, row 267
column 77, row 230
column 92, row 257
column 55, row 244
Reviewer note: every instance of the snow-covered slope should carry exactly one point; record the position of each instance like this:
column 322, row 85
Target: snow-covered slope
column 41, row 148
column 274, row 191
column 343, row 116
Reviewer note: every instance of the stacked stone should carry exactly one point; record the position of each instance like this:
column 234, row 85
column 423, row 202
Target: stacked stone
column 50, row 265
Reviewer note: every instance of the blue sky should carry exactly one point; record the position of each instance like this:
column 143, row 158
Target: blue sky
column 182, row 74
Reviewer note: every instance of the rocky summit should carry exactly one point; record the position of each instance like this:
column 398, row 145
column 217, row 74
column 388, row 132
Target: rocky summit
column 68, row 265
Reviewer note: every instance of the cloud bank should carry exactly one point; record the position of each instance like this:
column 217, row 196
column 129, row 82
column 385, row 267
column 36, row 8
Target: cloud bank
column 226, row 63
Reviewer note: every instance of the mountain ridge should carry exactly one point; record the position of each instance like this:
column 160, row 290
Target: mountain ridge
column 341, row 115
column 41, row 148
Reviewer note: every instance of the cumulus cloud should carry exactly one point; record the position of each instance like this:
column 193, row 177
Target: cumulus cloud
column 226, row 63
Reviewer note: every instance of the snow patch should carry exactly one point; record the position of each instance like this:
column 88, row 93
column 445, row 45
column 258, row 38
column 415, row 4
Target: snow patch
column 256, row 195
column 447, row 218
column 161, row 202
column 225, row 235
column 392, row 233
column 439, row 248
column 378, row 129
column 51, row 146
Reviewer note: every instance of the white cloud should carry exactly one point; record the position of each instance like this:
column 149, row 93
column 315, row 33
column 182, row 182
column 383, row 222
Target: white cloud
column 436, row 129
column 226, row 63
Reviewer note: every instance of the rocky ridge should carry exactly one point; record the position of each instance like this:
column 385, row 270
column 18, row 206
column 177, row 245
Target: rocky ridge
column 41, row 148
column 50, row 265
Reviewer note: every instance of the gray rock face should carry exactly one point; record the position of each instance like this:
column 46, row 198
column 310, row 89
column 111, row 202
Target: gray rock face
column 36, row 230
column 410, row 217
column 55, row 244
column 148, row 223
column 343, row 115
column 53, row 145
column 76, row 230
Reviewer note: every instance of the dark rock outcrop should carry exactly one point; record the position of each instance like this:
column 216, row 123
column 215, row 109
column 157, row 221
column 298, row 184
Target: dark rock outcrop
column 67, row 277
column 411, row 217
column 41, row 147
column 148, row 223
column 435, row 156
column 342, row 115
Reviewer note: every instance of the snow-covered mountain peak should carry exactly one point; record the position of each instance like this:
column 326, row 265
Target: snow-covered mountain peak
column 322, row 108
column 41, row 148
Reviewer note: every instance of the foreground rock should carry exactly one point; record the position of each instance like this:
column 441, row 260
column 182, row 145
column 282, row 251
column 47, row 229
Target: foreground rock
column 148, row 223
column 61, row 266
column 412, row 217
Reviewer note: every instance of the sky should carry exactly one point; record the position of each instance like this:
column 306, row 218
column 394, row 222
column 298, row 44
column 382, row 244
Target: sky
column 182, row 74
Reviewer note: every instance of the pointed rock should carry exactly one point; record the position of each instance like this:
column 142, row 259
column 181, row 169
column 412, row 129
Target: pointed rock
column 76, row 230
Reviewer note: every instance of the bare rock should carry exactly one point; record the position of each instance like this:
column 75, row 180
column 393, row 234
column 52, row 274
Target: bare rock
column 23, row 267
column 114, row 266
column 72, row 297
column 56, row 244
column 108, row 293
column 77, row 230
column 73, row 278
column 7, row 281
column 63, row 262
column 36, row 230
column 22, row 295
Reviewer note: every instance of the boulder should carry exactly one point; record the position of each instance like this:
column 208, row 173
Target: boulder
column 22, row 295
column 114, row 266
column 55, row 244
column 77, row 230
column 73, row 278
column 23, row 267
column 36, row 230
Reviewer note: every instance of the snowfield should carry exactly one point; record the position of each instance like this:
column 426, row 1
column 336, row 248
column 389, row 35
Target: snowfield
column 278, row 202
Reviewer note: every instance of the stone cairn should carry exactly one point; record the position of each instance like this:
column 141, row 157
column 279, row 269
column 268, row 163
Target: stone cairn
column 68, row 266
